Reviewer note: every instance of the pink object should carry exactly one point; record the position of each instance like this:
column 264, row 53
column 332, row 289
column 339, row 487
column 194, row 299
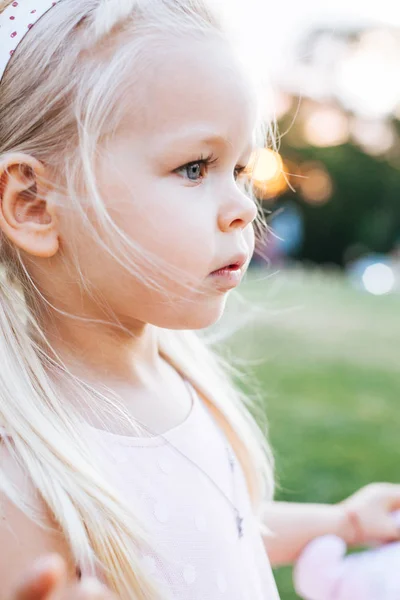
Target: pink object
column 193, row 524
column 15, row 22
column 324, row 572
column 185, row 513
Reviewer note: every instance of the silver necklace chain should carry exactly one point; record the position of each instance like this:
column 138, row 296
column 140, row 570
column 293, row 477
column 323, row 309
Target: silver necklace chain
column 238, row 517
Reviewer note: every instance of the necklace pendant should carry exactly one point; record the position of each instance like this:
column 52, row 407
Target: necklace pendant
column 231, row 460
column 239, row 525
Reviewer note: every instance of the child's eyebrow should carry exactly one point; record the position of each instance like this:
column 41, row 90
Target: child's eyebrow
column 199, row 137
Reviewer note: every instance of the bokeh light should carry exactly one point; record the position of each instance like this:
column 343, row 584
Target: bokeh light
column 268, row 175
column 316, row 184
column 374, row 136
column 267, row 165
column 378, row 279
column 326, row 126
column 367, row 78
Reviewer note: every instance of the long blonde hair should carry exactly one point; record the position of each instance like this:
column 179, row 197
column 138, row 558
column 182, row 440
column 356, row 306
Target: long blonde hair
column 62, row 92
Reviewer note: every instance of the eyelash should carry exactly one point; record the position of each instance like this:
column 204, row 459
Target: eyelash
column 208, row 161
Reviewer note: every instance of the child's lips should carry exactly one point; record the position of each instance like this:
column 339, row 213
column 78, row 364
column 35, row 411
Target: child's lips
column 236, row 263
column 229, row 276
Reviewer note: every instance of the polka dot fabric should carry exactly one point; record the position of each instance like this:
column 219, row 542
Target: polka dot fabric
column 15, row 22
column 198, row 554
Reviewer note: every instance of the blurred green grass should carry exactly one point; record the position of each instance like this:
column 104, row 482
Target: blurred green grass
column 327, row 358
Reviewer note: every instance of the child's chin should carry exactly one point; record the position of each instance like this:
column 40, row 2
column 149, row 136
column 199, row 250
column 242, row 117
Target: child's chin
column 202, row 316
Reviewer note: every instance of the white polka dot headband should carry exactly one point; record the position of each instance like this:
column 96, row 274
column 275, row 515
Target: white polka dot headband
column 15, row 22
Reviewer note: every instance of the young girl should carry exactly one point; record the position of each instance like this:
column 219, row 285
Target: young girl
column 126, row 218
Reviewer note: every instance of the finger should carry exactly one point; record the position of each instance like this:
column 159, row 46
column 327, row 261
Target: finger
column 395, row 492
column 40, row 581
column 395, row 519
column 396, row 516
column 390, row 529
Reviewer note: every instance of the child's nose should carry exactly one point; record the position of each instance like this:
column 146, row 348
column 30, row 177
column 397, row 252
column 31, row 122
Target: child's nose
column 237, row 212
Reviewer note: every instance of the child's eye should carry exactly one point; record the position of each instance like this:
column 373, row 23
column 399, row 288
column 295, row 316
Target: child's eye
column 197, row 170
column 194, row 170
column 240, row 171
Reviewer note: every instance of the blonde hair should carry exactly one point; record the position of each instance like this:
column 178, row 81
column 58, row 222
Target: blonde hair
column 62, row 92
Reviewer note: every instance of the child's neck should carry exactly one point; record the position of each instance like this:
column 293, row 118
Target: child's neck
column 98, row 352
column 132, row 368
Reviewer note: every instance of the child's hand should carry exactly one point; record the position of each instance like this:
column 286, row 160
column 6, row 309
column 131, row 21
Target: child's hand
column 47, row 580
column 368, row 515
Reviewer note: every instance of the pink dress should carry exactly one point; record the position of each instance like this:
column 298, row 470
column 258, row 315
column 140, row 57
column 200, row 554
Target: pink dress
column 194, row 525
column 202, row 554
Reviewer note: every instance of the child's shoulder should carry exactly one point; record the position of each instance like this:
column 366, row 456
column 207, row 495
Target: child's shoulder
column 21, row 539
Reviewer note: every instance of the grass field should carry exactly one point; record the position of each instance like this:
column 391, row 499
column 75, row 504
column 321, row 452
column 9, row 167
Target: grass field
column 328, row 359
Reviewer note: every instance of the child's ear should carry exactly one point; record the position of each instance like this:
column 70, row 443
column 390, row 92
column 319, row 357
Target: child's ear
column 27, row 217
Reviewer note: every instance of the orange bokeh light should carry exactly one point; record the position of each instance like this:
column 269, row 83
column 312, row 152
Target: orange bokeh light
column 267, row 173
column 316, row 185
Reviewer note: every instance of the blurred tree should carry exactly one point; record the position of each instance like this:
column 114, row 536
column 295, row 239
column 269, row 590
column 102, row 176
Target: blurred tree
column 363, row 210
column 335, row 82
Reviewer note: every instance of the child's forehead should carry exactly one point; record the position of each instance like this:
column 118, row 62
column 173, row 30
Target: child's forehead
column 195, row 83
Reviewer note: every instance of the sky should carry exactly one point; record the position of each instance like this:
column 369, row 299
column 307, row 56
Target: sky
column 273, row 26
